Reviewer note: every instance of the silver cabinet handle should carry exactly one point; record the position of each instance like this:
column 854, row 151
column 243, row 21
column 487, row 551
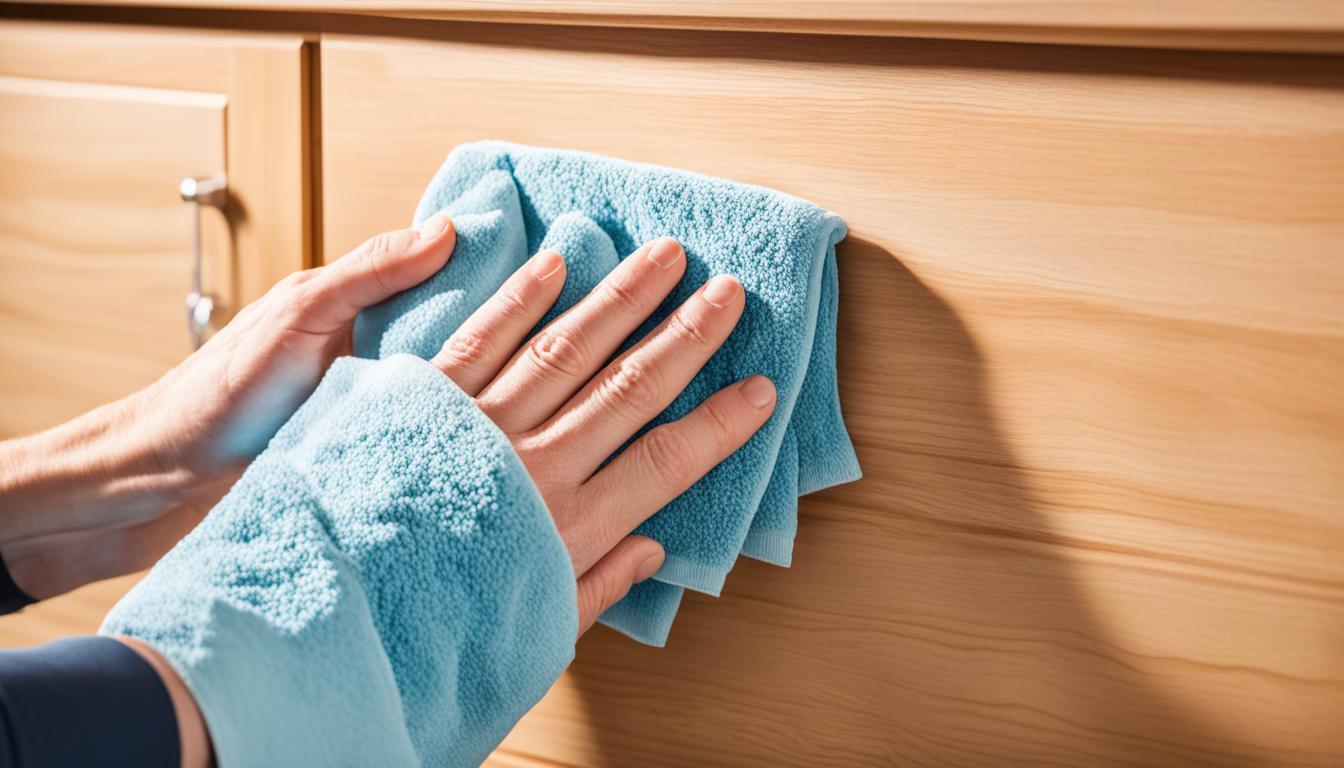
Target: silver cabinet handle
column 212, row 191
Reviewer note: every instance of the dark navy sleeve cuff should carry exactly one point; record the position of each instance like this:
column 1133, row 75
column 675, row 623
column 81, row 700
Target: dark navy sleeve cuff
column 84, row 701
column 11, row 597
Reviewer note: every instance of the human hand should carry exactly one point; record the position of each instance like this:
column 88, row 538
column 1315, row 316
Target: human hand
column 111, row 491
column 565, row 412
column 565, row 417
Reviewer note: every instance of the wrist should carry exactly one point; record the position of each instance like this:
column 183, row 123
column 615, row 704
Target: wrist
column 64, row 487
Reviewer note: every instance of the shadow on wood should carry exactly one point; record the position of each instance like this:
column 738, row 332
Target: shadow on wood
column 908, row 631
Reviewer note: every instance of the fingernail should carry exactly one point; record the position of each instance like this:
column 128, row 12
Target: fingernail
column 434, row 226
column 546, row 263
column 665, row 252
column 759, row 391
column 648, row 568
column 721, row 290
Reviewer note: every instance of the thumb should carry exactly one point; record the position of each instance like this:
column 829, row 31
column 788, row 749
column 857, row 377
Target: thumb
column 633, row 560
column 383, row 266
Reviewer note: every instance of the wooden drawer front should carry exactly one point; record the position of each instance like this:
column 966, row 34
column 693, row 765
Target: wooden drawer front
column 1091, row 351
column 97, row 127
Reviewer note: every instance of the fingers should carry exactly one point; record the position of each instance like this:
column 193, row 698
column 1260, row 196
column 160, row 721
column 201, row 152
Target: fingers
column 476, row 351
column 659, row 466
column 646, row 378
column 383, row 266
column 631, row 561
column 565, row 355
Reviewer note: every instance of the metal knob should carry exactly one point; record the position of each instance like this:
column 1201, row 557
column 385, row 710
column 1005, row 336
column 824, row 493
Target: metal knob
column 212, row 191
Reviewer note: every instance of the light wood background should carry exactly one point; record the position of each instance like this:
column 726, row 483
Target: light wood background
column 1091, row 352
column 99, row 126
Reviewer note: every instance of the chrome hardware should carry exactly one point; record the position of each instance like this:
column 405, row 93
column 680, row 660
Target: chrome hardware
column 212, row 191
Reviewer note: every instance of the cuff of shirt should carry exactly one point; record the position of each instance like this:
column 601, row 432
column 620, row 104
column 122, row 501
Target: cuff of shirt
column 84, row 701
column 11, row 597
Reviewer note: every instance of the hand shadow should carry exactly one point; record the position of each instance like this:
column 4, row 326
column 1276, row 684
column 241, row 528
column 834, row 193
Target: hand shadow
column 930, row 617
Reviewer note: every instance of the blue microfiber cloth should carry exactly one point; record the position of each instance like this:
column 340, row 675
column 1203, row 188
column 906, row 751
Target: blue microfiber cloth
column 384, row 585
column 509, row 200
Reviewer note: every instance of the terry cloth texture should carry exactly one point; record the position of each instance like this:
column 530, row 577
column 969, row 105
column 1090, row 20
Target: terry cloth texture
column 507, row 201
column 384, row 585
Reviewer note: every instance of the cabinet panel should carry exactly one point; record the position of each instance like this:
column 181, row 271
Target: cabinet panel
column 269, row 134
column 1091, row 346
column 95, row 245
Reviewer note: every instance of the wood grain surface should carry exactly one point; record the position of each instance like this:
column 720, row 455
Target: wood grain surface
column 76, row 613
column 1091, row 351
column 1296, row 25
column 265, row 79
column 95, row 246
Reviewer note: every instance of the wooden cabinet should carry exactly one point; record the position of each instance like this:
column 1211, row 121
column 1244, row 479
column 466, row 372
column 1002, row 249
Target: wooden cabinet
column 1091, row 335
column 1090, row 353
column 97, row 127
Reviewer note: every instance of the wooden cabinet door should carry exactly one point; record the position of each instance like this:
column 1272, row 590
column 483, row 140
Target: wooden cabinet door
column 97, row 127
column 95, row 246
column 1091, row 350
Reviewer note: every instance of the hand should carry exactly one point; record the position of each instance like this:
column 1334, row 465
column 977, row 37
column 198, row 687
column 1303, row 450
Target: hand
column 566, row 413
column 111, row 491
column 564, row 417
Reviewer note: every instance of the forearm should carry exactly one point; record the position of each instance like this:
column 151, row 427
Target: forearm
column 74, row 489
column 66, row 477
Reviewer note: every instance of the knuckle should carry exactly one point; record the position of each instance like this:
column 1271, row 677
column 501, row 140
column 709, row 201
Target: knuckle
column 300, row 301
column 599, row 589
column 371, row 258
column 590, row 598
column 294, row 280
column 722, row 427
column 632, row 387
column 609, row 586
column 672, row 457
column 512, row 305
column 552, row 352
column 623, row 298
column 376, row 247
column 688, row 330
column 282, row 290
column 465, row 349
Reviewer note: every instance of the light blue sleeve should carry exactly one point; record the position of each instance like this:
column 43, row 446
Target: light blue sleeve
column 384, row 585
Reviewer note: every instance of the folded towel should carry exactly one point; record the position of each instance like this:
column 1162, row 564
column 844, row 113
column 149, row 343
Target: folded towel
column 384, row 585
column 508, row 201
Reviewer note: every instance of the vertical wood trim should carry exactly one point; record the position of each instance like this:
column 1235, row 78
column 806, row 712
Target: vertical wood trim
column 312, row 160
column 269, row 165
